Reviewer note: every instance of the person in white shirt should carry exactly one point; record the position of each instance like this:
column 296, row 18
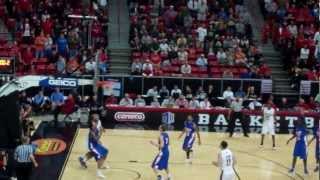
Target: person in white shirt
column 304, row 53
column 90, row 66
column 254, row 105
column 155, row 102
column 185, row 69
column 176, row 92
column 316, row 37
column 205, row 104
column 139, row 101
column 226, row 162
column 268, row 125
column 194, row 103
column 202, row 33
column 228, row 94
column 182, row 55
column 147, row 69
column 164, row 47
column 222, row 56
column 153, row 92
column 126, row 101
column 202, row 61
column 193, row 6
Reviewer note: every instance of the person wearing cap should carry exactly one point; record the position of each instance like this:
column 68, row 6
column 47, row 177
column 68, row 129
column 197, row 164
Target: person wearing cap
column 202, row 61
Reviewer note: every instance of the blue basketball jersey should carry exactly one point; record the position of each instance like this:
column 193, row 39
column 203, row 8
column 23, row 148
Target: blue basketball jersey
column 93, row 135
column 165, row 138
column 300, row 149
column 190, row 129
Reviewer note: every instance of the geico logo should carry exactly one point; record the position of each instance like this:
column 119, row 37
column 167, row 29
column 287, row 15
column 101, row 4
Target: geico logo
column 129, row 116
column 63, row 83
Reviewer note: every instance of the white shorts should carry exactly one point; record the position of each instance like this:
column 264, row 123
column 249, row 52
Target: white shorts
column 268, row 127
column 229, row 175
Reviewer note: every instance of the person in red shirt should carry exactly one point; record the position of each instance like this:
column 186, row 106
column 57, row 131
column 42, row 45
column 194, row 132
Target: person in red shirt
column 311, row 75
column 155, row 59
column 27, row 59
column 302, row 104
column 265, row 71
column 47, row 26
column 312, row 103
column 69, row 106
column 111, row 100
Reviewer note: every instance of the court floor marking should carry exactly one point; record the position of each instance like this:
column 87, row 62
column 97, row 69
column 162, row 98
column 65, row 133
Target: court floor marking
column 212, row 145
column 178, row 163
column 69, row 153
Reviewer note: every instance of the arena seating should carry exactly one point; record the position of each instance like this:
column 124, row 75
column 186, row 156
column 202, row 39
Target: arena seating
column 40, row 25
column 293, row 29
column 166, row 30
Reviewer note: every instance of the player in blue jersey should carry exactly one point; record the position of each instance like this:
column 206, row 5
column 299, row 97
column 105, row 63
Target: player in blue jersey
column 316, row 136
column 191, row 130
column 89, row 154
column 96, row 149
column 300, row 148
column 161, row 160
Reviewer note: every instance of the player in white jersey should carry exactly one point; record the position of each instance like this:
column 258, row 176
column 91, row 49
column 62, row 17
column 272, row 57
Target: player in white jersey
column 226, row 162
column 269, row 123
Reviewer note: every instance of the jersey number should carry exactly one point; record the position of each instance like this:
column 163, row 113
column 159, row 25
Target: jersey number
column 228, row 158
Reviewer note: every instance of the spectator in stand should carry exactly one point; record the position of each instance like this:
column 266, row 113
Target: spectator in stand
column 164, row 92
column 202, row 33
column 194, row 103
column 147, row 69
column 312, row 75
column 111, row 100
column 126, row 101
column 317, row 98
column 222, row 56
column 3, row 165
column 240, row 93
column 90, row 66
column 103, row 60
column 317, row 53
column 239, row 57
column 251, row 93
column 205, row 104
column 27, row 58
column 312, row 103
column 38, row 102
column 202, row 62
column 228, row 94
column 227, row 74
column 176, row 92
column 201, row 94
column 169, row 16
column 27, row 32
column 185, row 69
column 62, row 45
column 48, row 46
column 168, row 102
column 57, row 101
column 136, row 67
column 181, row 102
column 284, row 106
column 302, row 105
column 155, row 102
column 139, row 101
column 61, row 65
column 304, row 55
column 202, row 10
column 182, row 55
column 39, row 45
column 296, row 79
column 255, row 105
column 153, row 92
column 193, row 6
column 188, row 92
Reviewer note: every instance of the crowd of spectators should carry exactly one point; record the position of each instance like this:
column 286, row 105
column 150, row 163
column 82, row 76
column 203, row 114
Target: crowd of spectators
column 47, row 41
column 198, row 38
column 293, row 27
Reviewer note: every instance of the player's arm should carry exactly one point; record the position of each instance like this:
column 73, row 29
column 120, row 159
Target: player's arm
column 198, row 133
column 158, row 145
column 293, row 136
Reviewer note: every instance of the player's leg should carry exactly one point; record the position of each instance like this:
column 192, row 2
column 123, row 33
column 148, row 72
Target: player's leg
column 100, row 163
column 294, row 161
column 273, row 141
column 262, row 139
column 85, row 158
column 231, row 125
column 157, row 173
column 168, row 174
column 305, row 165
column 317, row 165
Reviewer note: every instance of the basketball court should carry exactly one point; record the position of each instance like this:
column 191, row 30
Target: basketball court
column 131, row 154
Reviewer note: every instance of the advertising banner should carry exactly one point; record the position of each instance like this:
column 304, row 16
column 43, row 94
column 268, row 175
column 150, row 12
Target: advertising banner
column 211, row 118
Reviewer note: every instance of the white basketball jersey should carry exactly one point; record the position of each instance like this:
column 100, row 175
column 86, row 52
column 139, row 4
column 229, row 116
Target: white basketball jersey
column 268, row 114
column 226, row 160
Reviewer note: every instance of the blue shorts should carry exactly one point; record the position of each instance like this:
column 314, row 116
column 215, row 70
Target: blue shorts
column 300, row 150
column 161, row 161
column 188, row 142
column 98, row 151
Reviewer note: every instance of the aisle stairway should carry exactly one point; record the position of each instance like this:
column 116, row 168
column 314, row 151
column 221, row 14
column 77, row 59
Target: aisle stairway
column 280, row 77
column 118, row 35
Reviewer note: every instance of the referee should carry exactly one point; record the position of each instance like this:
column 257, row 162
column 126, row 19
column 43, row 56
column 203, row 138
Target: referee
column 236, row 113
column 24, row 159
